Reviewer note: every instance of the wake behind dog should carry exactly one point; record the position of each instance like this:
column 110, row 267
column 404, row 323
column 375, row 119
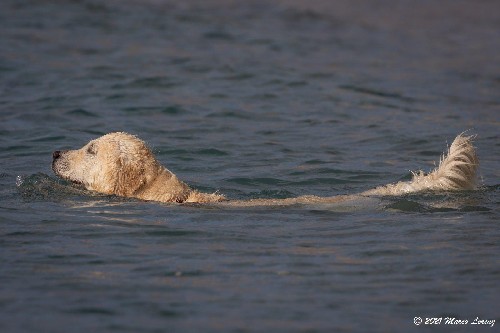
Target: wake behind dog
column 121, row 164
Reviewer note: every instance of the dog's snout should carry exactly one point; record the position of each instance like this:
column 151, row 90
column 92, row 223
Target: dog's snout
column 56, row 154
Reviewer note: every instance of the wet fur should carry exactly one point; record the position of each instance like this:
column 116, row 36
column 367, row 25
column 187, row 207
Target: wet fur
column 456, row 171
column 121, row 164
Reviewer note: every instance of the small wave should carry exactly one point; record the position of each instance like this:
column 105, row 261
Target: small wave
column 218, row 35
column 82, row 113
column 170, row 110
column 272, row 194
column 408, row 206
column 238, row 77
column 40, row 186
column 92, row 311
column 230, row 114
column 212, row 152
column 432, row 202
column 48, row 138
column 148, row 82
column 173, row 109
column 257, row 181
column 322, row 181
column 376, row 92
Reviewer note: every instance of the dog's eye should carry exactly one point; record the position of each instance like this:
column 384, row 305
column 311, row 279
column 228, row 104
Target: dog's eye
column 91, row 149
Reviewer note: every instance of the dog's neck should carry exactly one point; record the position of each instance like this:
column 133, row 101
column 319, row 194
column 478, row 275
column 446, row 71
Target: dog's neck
column 165, row 187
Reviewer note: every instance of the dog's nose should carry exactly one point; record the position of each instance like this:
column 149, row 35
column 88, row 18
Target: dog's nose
column 56, row 154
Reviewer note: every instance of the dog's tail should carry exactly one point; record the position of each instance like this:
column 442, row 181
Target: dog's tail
column 456, row 171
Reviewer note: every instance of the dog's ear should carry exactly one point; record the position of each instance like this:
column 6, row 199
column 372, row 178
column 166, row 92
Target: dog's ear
column 131, row 176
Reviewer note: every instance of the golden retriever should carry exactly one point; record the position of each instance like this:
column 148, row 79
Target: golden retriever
column 122, row 164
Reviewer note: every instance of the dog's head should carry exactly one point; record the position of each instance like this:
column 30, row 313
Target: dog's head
column 116, row 163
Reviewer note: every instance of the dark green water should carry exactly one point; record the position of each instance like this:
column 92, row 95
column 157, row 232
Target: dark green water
column 255, row 99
